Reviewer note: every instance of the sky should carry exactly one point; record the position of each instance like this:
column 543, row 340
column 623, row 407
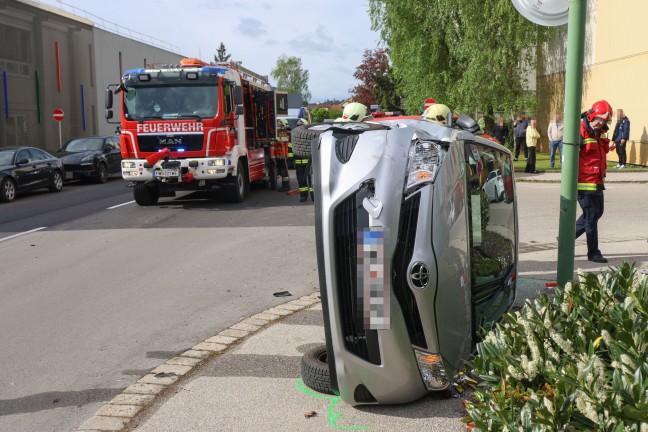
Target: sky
column 329, row 36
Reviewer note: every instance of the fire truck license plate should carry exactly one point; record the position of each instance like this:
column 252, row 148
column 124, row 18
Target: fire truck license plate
column 166, row 173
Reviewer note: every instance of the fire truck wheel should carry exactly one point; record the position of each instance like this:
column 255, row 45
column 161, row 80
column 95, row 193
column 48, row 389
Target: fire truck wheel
column 236, row 190
column 146, row 194
column 315, row 370
column 302, row 136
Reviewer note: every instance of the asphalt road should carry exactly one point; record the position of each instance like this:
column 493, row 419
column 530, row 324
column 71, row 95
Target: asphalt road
column 109, row 290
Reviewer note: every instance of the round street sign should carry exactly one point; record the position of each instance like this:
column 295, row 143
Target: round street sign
column 548, row 13
column 428, row 102
column 58, row 114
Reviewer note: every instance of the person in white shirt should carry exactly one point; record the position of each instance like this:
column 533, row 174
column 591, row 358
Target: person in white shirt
column 555, row 134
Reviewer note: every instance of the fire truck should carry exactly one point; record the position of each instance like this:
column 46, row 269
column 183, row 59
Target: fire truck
column 194, row 126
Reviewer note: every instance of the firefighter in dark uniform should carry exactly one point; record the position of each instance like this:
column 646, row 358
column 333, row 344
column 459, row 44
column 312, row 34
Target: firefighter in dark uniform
column 281, row 154
column 592, row 161
column 303, row 170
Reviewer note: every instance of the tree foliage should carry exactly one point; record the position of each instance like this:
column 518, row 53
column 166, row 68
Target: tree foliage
column 291, row 77
column 320, row 114
column 377, row 85
column 469, row 55
column 222, row 55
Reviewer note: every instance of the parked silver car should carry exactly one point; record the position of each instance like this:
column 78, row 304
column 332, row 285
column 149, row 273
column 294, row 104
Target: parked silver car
column 414, row 261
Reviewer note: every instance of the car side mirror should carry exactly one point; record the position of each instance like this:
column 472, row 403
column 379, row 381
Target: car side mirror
column 109, row 114
column 22, row 162
column 109, row 99
column 238, row 95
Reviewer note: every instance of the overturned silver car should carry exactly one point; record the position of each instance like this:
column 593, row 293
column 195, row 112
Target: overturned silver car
column 414, row 259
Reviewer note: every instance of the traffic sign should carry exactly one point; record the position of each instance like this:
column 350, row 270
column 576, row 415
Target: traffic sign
column 58, row 114
column 428, row 102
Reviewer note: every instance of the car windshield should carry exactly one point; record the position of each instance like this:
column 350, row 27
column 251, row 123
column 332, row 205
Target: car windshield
column 84, row 144
column 168, row 102
column 7, row 157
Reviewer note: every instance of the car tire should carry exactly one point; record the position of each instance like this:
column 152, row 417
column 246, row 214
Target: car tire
column 101, row 175
column 56, row 182
column 302, row 136
column 235, row 191
column 315, row 370
column 146, row 194
column 7, row 190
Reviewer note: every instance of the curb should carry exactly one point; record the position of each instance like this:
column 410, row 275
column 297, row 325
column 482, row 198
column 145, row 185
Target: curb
column 116, row 415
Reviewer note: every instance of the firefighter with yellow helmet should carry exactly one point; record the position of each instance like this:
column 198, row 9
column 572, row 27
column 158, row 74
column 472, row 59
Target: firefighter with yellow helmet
column 303, row 171
column 437, row 113
column 355, row 112
column 281, row 154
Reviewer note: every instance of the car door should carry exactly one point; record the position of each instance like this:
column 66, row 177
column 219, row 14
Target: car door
column 45, row 164
column 112, row 152
column 26, row 172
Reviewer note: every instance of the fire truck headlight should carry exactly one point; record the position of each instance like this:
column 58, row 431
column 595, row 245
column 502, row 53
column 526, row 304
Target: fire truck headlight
column 216, row 162
column 128, row 164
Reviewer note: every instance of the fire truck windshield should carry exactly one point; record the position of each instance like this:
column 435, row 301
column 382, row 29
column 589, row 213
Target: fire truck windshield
column 170, row 102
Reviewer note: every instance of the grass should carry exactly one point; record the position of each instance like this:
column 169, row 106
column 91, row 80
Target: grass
column 542, row 164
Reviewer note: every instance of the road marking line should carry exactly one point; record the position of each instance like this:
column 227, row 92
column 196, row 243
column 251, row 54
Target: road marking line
column 22, row 233
column 119, row 205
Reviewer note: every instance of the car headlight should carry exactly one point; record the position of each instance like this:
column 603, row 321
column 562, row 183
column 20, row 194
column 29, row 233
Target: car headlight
column 216, row 162
column 432, row 371
column 87, row 159
column 422, row 164
column 128, row 164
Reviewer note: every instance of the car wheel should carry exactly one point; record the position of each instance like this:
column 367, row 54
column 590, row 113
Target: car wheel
column 146, row 194
column 102, row 173
column 8, row 190
column 315, row 370
column 235, row 191
column 302, row 136
column 56, row 183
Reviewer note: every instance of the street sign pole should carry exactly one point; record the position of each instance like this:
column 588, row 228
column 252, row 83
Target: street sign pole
column 569, row 180
column 60, row 136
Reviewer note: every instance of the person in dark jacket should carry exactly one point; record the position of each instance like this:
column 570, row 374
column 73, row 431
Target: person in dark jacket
column 592, row 161
column 500, row 131
column 621, row 136
column 520, row 126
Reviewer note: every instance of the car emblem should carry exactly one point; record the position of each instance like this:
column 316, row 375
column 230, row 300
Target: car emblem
column 419, row 275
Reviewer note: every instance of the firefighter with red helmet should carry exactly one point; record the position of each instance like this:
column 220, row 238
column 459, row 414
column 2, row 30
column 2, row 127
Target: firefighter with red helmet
column 592, row 162
column 303, row 171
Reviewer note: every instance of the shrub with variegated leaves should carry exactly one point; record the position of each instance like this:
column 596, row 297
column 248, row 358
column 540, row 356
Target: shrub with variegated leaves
column 575, row 362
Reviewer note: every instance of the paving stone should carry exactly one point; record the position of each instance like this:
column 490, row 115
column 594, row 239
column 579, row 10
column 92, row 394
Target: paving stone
column 101, row 423
column 255, row 321
column 210, row 347
column 197, row 354
column 110, row 410
column 266, row 316
column 223, row 340
column 234, row 333
column 132, row 399
column 151, row 379
column 184, row 361
column 290, row 306
column 142, row 388
column 246, row 327
column 304, row 302
column 278, row 311
column 169, row 368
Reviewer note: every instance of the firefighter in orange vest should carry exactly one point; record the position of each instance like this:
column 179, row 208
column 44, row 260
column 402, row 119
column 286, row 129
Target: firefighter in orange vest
column 303, row 170
column 281, row 154
column 592, row 161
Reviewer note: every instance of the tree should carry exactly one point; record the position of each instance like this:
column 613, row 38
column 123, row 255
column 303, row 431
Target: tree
column 320, row 114
column 377, row 85
column 222, row 56
column 469, row 55
column 291, row 77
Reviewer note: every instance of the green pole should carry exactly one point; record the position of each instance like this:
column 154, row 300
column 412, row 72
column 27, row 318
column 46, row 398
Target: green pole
column 569, row 181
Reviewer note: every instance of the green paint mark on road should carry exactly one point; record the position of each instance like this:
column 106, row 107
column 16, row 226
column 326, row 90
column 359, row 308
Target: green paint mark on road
column 333, row 401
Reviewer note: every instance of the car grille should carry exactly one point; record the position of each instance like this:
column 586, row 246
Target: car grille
column 154, row 143
column 348, row 221
column 402, row 257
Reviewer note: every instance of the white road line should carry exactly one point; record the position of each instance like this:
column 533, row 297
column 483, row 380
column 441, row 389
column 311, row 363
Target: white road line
column 22, row 233
column 119, row 205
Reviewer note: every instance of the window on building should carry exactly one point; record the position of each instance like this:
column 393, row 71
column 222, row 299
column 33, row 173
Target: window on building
column 16, row 127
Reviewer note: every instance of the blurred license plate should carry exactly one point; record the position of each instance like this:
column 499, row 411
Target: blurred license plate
column 373, row 284
column 69, row 175
column 166, row 173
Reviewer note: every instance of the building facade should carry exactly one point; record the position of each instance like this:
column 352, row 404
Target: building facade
column 51, row 59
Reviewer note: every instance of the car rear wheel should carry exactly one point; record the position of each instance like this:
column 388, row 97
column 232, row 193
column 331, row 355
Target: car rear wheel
column 56, row 182
column 315, row 370
column 146, row 194
column 7, row 190
column 102, row 173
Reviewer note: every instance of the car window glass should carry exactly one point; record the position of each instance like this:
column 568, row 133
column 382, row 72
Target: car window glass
column 85, row 144
column 23, row 154
column 38, row 154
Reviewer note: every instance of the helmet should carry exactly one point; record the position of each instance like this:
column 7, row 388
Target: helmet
column 437, row 113
column 302, row 121
column 355, row 111
column 600, row 109
column 282, row 123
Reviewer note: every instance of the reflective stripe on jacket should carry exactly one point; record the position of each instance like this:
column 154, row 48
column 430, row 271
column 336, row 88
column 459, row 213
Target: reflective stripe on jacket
column 592, row 159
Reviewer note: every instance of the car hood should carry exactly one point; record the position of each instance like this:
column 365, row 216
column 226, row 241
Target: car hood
column 75, row 157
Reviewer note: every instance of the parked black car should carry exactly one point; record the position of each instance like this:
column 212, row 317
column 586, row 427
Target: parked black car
column 28, row 168
column 93, row 157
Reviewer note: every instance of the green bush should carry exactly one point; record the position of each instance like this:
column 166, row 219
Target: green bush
column 571, row 363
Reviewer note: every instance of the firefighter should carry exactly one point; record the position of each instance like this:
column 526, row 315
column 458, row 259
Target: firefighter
column 592, row 161
column 281, row 154
column 355, row 112
column 303, row 170
column 437, row 113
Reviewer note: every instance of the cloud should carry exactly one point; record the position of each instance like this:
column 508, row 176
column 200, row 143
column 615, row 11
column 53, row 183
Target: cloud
column 251, row 27
column 318, row 42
